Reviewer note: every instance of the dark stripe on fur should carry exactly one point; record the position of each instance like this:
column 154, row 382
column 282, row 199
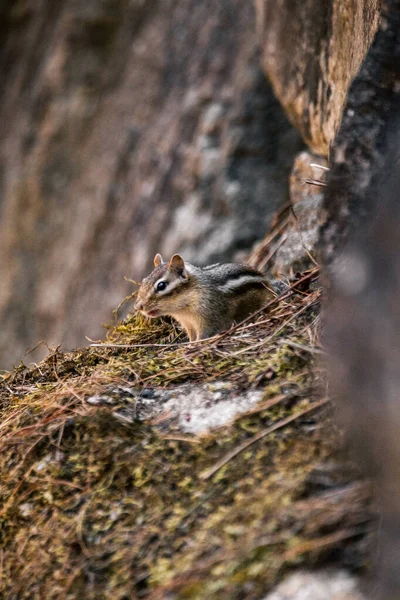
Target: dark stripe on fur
column 244, row 272
column 246, row 286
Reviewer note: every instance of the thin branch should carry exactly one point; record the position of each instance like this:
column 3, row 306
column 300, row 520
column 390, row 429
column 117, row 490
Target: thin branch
column 180, row 438
column 310, row 349
column 320, row 167
column 325, row 541
column 317, row 182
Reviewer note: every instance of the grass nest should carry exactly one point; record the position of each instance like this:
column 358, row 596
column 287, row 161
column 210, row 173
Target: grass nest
column 97, row 506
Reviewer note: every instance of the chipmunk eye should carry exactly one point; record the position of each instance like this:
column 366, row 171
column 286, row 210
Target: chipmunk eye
column 161, row 285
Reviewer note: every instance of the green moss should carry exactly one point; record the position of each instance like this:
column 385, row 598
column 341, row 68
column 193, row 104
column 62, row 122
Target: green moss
column 95, row 507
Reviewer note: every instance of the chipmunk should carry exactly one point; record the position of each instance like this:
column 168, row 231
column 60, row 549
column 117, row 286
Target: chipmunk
column 205, row 301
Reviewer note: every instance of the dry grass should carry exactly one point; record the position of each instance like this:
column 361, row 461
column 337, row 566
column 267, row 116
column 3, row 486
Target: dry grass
column 95, row 507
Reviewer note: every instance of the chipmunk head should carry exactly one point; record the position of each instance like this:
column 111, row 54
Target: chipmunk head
column 161, row 292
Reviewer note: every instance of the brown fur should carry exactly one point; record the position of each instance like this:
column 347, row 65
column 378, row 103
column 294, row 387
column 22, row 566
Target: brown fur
column 204, row 301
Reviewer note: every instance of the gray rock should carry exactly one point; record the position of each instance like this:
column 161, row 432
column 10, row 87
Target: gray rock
column 322, row 585
column 311, row 52
column 114, row 116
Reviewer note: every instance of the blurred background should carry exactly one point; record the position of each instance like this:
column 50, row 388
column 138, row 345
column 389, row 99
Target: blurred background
column 130, row 127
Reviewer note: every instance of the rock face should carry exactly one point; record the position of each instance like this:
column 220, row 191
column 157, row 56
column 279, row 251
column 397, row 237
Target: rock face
column 363, row 337
column 361, row 145
column 128, row 127
column 312, row 50
column 319, row 585
column 362, row 318
column 290, row 245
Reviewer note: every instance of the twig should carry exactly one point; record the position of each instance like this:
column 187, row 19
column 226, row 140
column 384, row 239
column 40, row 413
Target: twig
column 264, row 405
column 1, row 568
column 221, row 463
column 180, row 438
column 173, row 345
column 7, row 504
column 315, row 182
column 320, row 167
column 124, row 300
column 276, row 300
column 323, row 542
column 303, row 347
column 272, row 252
column 270, row 337
column 303, row 244
column 276, row 230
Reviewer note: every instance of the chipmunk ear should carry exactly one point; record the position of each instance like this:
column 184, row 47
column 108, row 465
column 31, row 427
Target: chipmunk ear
column 158, row 260
column 178, row 264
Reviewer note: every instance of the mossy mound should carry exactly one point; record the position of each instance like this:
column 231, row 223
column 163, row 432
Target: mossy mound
column 95, row 506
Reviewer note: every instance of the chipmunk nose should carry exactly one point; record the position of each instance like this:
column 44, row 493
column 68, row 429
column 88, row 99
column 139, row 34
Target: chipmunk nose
column 138, row 305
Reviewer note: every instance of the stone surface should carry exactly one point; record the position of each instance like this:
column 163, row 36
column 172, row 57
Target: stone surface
column 311, row 52
column 191, row 408
column 363, row 340
column 291, row 245
column 318, row 585
column 128, row 127
column 361, row 247
column 358, row 153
